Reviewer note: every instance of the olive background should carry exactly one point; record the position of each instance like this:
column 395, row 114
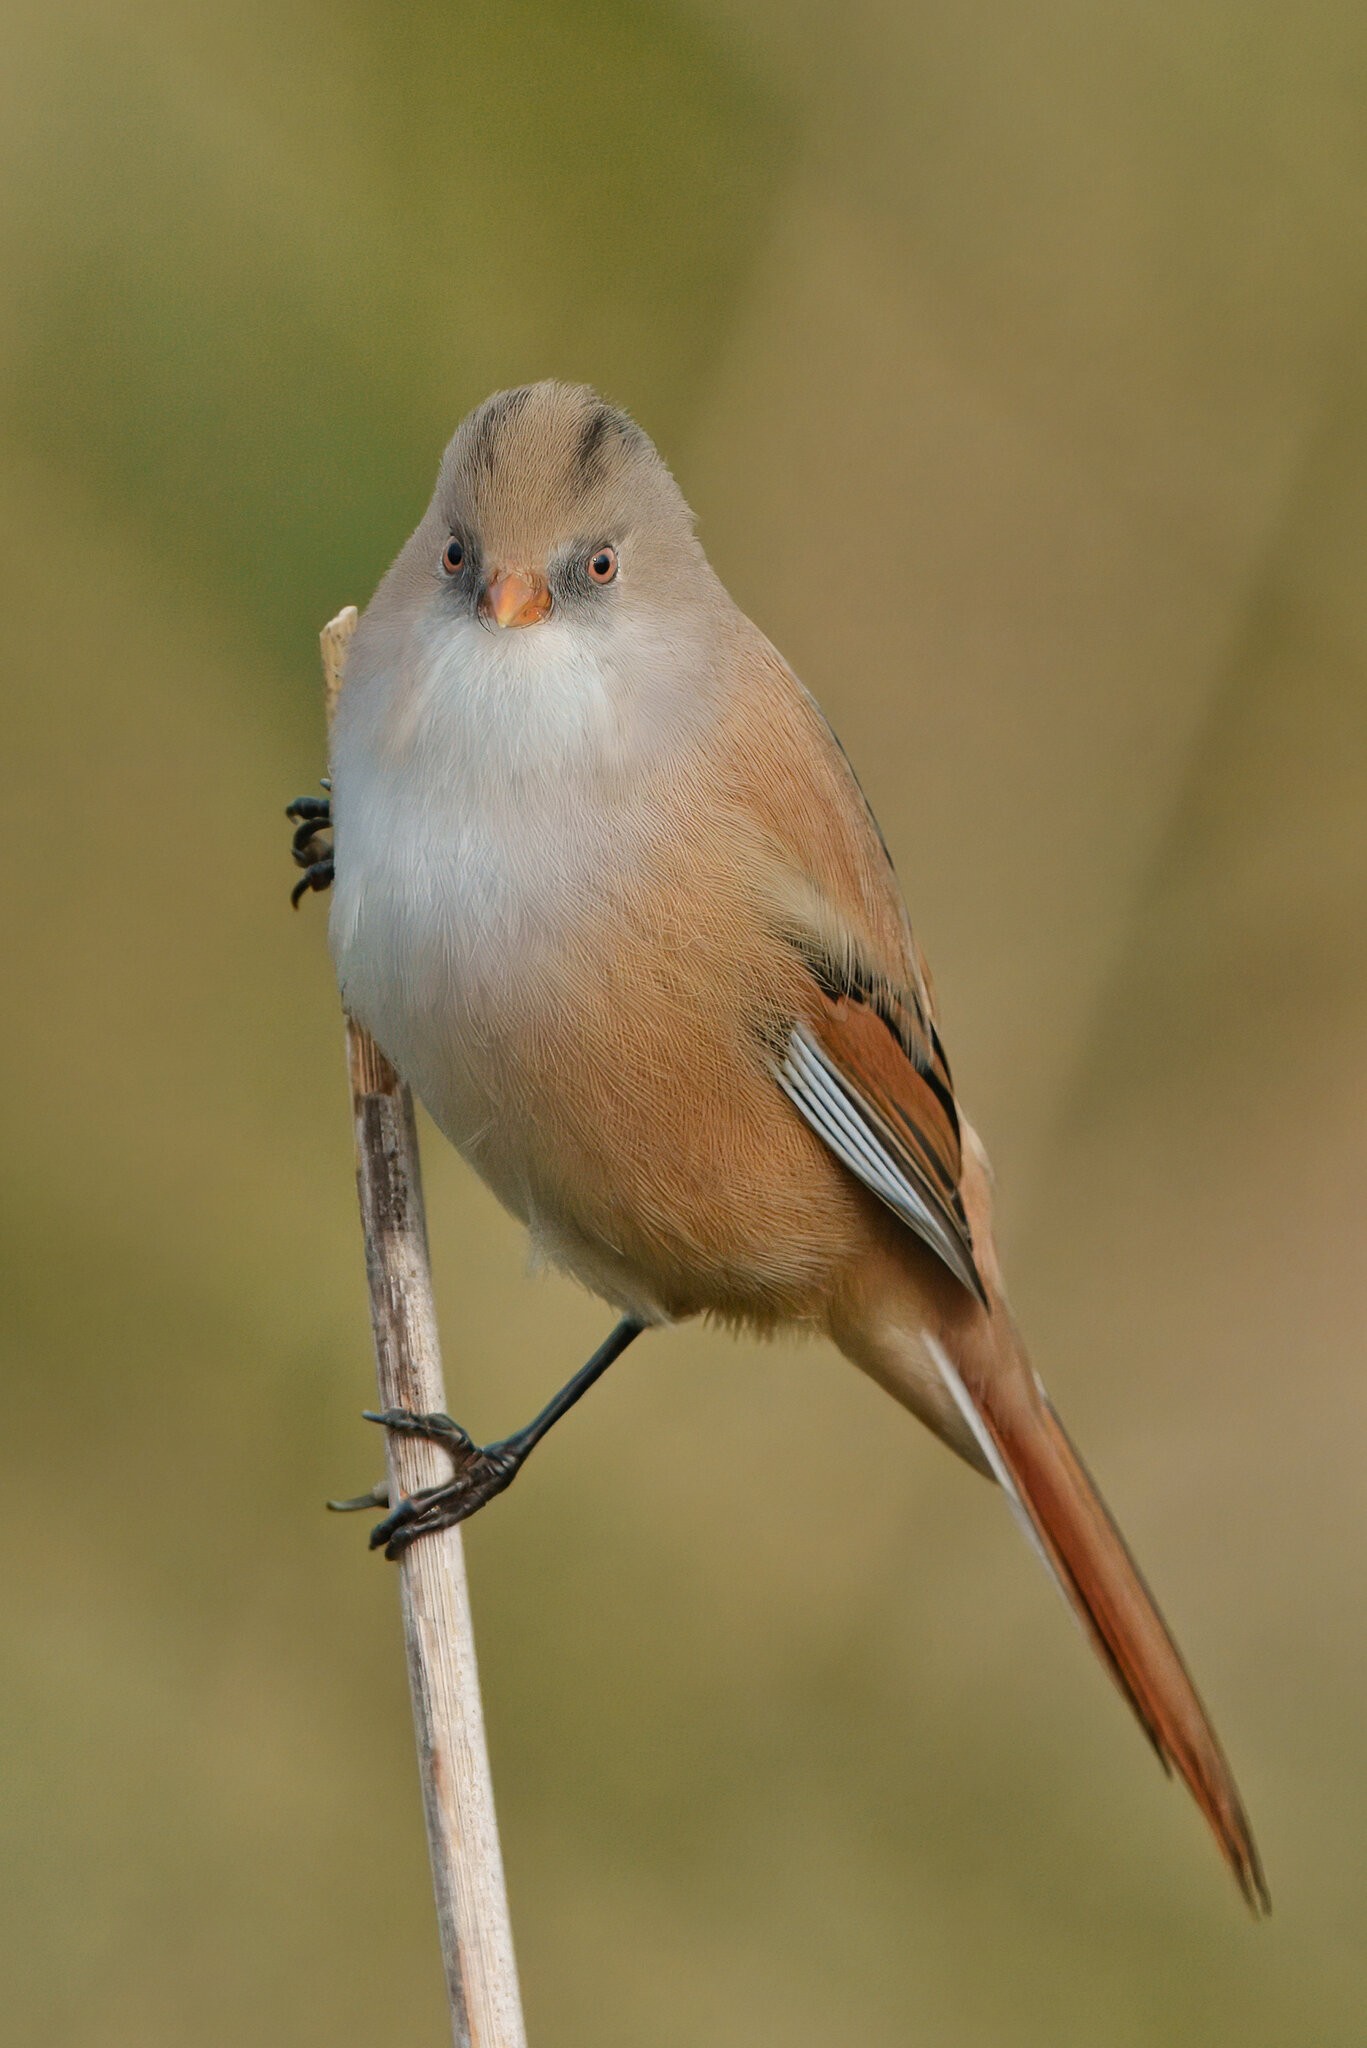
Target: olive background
column 1013, row 359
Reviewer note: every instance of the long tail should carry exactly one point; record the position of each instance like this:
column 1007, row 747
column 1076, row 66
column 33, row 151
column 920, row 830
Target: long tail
column 1070, row 1526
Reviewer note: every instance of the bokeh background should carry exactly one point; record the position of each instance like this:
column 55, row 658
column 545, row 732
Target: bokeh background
column 1014, row 361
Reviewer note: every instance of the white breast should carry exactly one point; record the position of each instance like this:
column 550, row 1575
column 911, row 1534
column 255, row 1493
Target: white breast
column 480, row 802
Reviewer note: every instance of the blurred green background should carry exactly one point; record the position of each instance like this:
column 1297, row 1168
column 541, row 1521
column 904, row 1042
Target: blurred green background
column 1014, row 361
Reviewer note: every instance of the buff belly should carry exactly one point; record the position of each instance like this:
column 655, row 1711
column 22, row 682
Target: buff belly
column 547, row 1048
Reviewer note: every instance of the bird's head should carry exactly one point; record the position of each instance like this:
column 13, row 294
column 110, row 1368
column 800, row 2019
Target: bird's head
column 552, row 504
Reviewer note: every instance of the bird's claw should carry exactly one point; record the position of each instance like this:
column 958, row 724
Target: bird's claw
column 309, row 850
column 317, row 875
column 378, row 1497
column 481, row 1472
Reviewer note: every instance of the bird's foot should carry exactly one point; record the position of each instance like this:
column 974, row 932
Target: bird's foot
column 309, row 850
column 481, row 1471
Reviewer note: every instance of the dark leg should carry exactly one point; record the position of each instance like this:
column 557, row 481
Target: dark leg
column 312, row 816
column 480, row 1472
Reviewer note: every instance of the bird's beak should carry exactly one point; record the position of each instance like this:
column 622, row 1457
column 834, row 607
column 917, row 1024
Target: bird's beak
column 516, row 598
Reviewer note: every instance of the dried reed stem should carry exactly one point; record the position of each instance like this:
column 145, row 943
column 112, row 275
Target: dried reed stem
column 457, row 1792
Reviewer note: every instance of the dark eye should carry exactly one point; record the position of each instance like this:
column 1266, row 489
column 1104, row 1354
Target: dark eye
column 453, row 557
column 603, row 565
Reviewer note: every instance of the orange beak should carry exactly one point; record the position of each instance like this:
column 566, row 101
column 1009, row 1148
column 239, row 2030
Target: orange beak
column 517, row 598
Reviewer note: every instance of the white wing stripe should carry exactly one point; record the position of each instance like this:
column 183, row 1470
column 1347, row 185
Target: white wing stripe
column 852, row 1144
column 858, row 1137
column 853, row 1138
column 819, row 1091
column 815, row 1092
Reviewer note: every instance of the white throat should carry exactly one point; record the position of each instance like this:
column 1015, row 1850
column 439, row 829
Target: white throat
column 486, row 785
column 510, row 708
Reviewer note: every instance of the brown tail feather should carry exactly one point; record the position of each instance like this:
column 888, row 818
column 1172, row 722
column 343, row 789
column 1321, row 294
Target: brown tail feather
column 1101, row 1581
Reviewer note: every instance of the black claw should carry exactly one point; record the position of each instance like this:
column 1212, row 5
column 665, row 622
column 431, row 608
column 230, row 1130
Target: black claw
column 481, row 1472
column 404, row 1539
column 408, row 1510
column 437, row 1428
column 309, row 848
column 313, row 810
column 306, row 838
column 318, row 876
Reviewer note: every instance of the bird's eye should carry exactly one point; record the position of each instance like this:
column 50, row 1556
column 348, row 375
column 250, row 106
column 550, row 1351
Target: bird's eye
column 453, row 557
column 603, row 565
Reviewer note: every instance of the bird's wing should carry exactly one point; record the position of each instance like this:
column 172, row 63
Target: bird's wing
column 893, row 1124
column 862, row 1060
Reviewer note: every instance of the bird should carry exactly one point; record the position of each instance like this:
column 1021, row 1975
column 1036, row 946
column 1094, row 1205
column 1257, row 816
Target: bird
column 606, row 891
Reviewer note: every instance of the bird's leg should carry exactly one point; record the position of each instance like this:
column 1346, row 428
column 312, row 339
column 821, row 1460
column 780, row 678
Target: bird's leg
column 480, row 1471
column 312, row 815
